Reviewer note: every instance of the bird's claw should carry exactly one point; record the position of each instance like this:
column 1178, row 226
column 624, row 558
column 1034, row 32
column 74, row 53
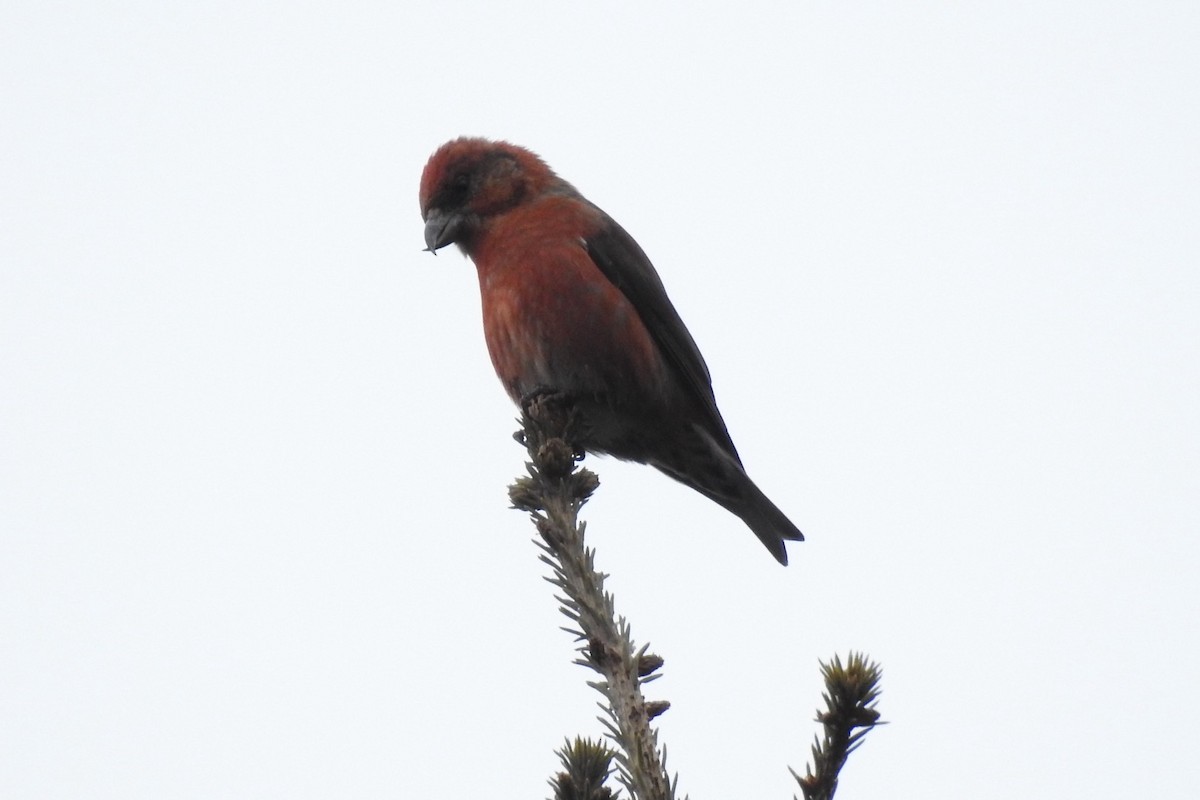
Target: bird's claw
column 539, row 395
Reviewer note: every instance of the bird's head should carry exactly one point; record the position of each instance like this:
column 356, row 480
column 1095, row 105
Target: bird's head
column 469, row 181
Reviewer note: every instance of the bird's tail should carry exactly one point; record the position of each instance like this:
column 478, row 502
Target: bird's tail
column 719, row 475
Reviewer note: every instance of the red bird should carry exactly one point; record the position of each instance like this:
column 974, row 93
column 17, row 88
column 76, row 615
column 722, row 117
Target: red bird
column 572, row 305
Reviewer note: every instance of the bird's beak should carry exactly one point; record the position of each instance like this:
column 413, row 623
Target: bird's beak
column 441, row 229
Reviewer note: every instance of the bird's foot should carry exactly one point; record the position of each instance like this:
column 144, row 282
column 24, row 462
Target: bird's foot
column 541, row 396
column 555, row 410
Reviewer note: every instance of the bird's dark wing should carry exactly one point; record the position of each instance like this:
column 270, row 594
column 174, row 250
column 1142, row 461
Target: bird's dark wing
column 624, row 263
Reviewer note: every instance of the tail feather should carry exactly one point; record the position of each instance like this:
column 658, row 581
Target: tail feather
column 770, row 525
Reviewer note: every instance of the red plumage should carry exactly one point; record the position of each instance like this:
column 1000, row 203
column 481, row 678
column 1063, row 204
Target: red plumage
column 571, row 304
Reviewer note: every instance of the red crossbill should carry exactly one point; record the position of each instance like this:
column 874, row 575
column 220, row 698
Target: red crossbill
column 572, row 305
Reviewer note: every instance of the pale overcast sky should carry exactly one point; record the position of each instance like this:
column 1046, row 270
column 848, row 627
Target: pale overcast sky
column 942, row 260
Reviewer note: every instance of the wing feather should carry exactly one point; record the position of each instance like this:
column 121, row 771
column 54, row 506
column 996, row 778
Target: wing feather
column 626, row 265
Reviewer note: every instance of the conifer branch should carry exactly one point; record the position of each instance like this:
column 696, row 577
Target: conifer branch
column 553, row 493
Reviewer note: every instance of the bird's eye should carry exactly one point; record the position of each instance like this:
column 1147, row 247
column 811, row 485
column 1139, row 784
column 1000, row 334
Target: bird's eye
column 457, row 189
column 459, row 185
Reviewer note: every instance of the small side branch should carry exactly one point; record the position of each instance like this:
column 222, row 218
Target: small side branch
column 851, row 695
column 586, row 767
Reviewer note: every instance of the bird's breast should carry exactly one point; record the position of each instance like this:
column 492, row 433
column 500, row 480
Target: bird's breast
column 552, row 320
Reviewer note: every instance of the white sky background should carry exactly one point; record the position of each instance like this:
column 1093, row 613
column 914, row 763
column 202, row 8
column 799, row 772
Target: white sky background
column 942, row 260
